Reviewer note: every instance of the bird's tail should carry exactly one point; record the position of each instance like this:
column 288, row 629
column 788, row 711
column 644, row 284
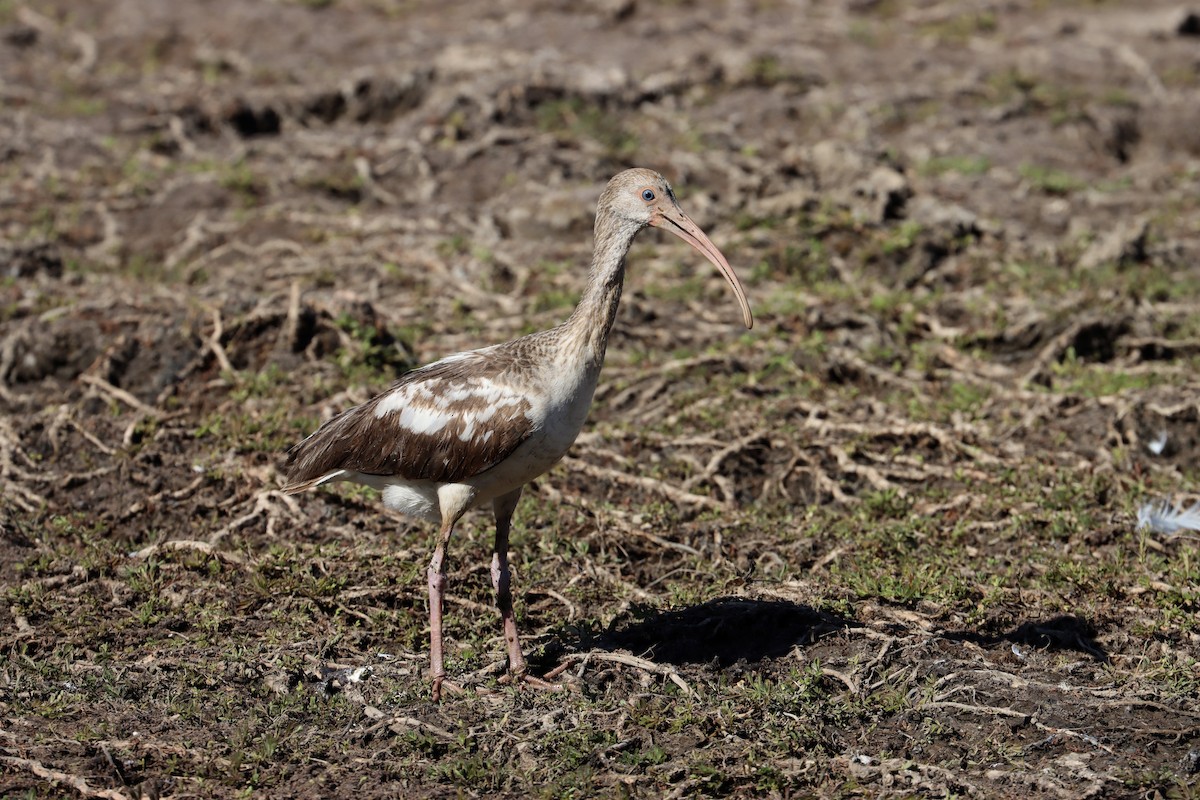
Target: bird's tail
column 304, row 486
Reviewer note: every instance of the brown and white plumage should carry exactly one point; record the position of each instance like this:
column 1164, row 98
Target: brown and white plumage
column 475, row 427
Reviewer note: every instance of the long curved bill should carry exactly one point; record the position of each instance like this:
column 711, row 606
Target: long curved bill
column 680, row 224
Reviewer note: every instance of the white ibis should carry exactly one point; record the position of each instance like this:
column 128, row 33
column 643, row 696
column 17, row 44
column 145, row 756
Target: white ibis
column 477, row 426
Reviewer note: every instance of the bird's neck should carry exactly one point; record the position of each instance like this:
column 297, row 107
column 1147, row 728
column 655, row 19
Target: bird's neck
column 588, row 328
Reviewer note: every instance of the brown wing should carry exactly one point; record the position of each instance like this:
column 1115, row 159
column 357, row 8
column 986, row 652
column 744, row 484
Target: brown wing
column 445, row 422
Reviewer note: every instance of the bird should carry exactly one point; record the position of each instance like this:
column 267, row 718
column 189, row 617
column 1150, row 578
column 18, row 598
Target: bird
column 476, row 427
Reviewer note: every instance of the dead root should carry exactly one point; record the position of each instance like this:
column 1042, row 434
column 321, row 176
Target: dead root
column 74, row 782
column 625, row 659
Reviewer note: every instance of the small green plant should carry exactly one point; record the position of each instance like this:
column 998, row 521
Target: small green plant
column 902, row 237
column 240, row 179
column 1050, row 180
column 375, row 353
column 962, row 27
column 962, row 165
column 577, row 117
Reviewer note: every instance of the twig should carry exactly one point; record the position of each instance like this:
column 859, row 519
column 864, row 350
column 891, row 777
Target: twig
column 572, row 612
column 120, row 394
column 628, row 527
column 362, row 168
column 873, row 476
column 1012, row 712
column 178, row 494
column 1139, row 65
column 186, row 544
column 112, row 762
column 626, row 659
column 87, row 53
column 714, row 463
column 402, row 724
column 642, row 482
column 91, row 437
column 261, row 508
column 193, row 237
column 26, row 499
column 289, row 334
column 74, row 781
column 931, row 779
column 105, row 251
column 1051, row 351
column 466, row 602
column 214, row 342
column 851, row 684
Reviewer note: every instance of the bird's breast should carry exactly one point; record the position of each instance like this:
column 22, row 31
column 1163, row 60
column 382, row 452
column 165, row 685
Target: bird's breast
column 557, row 413
column 568, row 399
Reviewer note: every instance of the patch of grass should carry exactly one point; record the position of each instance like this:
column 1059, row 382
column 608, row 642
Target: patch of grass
column 342, row 182
column 269, row 431
column 554, row 299
column 1050, row 180
column 804, row 263
column 574, row 116
column 1060, row 103
column 1073, row 376
column 863, row 33
column 241, row 179
column 455, row 245
column 678, row 288
column 766, row 70
column 966, row 398
column 960, row 164
column 960, row 28
column 85, row 106
column 901, row 238
column 375, row 354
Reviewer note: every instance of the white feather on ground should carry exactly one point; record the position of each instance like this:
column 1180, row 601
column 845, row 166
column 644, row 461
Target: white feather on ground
column 1161, row 516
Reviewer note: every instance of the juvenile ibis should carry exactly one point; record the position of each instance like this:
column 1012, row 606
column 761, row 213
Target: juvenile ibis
column 475, row 427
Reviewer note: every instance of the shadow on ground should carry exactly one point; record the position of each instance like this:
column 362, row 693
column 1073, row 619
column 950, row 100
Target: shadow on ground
column 727, row 630
column 1065, row 632
column 720, row 632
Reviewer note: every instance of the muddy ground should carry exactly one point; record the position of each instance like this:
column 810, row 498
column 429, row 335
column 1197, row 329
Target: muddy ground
column 883, row 545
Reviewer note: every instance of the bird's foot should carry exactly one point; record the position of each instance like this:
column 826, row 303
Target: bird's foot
column 440, row 683
column 533, row 682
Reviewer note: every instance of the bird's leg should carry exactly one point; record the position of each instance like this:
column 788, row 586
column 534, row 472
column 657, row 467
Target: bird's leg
column 437, row 589
column 503, row 507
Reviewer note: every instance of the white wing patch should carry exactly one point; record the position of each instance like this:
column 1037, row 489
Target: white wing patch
column 429, row 406
column 465, row 405
column 420, row 419
column 445, row 422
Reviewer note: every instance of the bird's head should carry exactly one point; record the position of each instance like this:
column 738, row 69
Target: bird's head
column 642, row 197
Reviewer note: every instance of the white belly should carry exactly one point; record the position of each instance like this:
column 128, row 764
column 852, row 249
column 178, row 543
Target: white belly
column 413, row 498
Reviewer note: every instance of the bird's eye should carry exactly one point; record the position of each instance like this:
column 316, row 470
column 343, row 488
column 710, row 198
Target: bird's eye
column 647, row 195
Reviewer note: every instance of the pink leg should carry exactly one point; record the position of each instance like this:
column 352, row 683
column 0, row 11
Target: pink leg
column 437, row 590
column 502, row 580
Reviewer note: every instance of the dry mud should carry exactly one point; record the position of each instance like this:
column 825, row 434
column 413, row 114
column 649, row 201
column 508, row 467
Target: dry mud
column 883, row 545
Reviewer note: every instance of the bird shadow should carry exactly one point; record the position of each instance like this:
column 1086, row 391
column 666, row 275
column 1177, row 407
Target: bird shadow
column 1065, row 632
column 722, row 631
column 731, row 630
